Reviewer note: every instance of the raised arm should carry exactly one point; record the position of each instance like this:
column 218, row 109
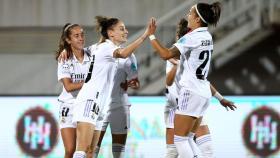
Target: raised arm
column 128, row 50
column 163, row 52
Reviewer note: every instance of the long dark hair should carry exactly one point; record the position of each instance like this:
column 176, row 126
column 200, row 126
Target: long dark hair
column 182, row 28
column 63, row 44
column 209, row 12
column 103, row 24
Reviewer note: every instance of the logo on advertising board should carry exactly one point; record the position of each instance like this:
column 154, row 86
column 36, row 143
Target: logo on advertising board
column 261, row 132
column 37, row 132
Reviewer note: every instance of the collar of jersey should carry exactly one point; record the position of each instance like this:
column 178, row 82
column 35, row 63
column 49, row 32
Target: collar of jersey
column 200, row 29
column 109, row 41
column 86, row 58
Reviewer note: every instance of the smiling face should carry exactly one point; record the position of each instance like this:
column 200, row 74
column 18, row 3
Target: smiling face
column 118, row 33
column 76, row 38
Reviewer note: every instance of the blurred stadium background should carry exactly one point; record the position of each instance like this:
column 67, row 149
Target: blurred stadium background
column 245, row 66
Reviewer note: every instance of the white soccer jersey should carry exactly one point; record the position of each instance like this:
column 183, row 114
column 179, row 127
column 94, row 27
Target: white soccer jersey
column 98, row 88
column 127, row 70
column 74, row 70
column 196, row 48
column 173, row 90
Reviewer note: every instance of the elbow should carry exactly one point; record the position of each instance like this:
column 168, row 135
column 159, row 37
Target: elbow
column 122, row 55
column 165, row 57
column 168, row 82
column 68, row 89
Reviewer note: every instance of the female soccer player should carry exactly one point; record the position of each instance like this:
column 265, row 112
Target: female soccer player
column 118, row 115
column 97, row 89
column 203, row 138
column 72, row 75
column 195, row 49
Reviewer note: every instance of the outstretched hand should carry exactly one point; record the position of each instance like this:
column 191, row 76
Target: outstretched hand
column 228, row 104
column 151, row 27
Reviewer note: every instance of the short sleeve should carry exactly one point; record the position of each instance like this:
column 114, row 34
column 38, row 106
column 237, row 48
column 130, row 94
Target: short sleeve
column 63, row 70
column 186, row 43
column 108, row 49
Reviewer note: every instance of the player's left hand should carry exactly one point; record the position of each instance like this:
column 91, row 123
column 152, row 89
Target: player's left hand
column 134, row 84
column 152, row 26
column 228, row 104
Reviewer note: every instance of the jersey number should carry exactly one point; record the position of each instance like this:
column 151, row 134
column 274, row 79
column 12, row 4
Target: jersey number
column 199, row 70
column 65, row 112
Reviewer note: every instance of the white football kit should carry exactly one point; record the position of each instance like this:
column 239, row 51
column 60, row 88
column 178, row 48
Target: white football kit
column 96, row 91
column 196, row 48
column 118, row 114
column 77, row 72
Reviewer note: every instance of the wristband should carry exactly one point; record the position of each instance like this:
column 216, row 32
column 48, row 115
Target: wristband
column 218, row 96
column 152, row 37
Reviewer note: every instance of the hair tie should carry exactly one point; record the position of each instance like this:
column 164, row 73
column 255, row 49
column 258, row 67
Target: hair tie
column 200, row 15
column 67, row 27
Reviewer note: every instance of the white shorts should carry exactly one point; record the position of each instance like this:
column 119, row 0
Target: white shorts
column 191, row 104
column 119, row 120
column 172, row 100
column 87, row 111
column 66, row 116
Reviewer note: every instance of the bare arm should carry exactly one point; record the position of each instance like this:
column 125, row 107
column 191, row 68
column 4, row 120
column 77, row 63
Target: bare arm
column 70, row 86
column 128, row 50
column 163, row 52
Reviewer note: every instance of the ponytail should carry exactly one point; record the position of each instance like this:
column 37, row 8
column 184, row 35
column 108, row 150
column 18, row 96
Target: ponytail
column 103, row 24
column 182, row 28
column 209, row 13
column 216, row 9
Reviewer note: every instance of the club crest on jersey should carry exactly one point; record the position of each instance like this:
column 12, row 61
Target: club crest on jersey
column 65, row 67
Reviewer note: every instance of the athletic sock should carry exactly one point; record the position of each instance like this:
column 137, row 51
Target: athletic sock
column 79, row 154
column 183, row 147
column 118, row 150
column 204, row 143
column 171, row 151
